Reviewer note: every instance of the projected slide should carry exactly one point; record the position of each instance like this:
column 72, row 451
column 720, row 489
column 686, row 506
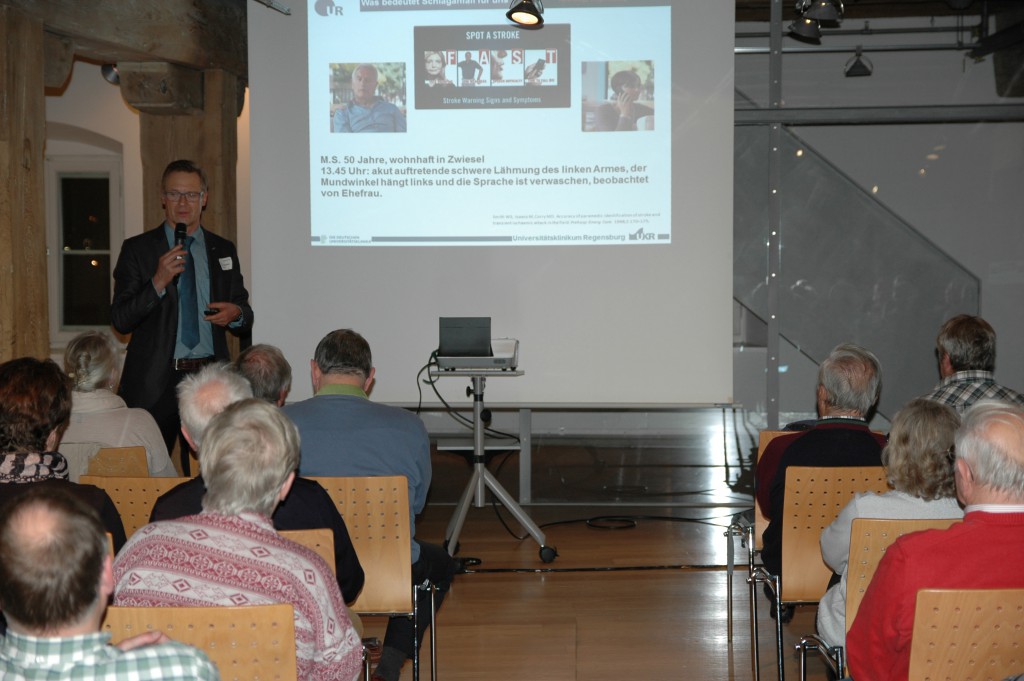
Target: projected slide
column 435, row 125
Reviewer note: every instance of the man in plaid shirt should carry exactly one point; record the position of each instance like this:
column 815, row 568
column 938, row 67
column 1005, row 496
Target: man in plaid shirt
column 966, row 348
column 55, row 580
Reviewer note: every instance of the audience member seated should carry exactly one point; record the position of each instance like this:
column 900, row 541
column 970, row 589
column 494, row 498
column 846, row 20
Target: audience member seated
column 966, row 349
column 849, row 382
column 985, row 551
column 919, row 465
column 267, row 371
column 230, row 553
column 100, row 416
column 345, row 434
column 35, row 404
column 55, row 580
column 202, row 396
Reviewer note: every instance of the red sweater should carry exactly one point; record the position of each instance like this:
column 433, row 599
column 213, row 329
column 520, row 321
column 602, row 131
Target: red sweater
column 985, row 551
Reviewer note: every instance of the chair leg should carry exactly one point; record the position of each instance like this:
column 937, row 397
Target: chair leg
column 753, row 580
column 833, row 656
column 415, row 636
column 758, row 576
column 433, row 640
column 366, row 664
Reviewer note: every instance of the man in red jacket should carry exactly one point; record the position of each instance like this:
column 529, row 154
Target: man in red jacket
column 985, row 551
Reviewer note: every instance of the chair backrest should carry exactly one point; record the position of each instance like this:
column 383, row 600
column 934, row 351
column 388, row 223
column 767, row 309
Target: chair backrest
column 869, row 538
column 133, row 497
column 245, row 642
column 760, row 522
column 376, row 512
column 967, row 635
column 120, row 461
column 814, row 497
column 320, row 540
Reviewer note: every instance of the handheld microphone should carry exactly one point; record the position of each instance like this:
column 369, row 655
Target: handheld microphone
column 180, row 233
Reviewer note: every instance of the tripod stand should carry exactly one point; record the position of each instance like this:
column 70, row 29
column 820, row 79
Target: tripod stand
column 482, row 479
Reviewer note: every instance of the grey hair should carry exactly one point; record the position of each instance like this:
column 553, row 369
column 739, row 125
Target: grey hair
column 970, row 343
column 251, row 448
column 206, row 393
column 997, row 462
column 91, row 361
column 266, row 369
column 852, row 378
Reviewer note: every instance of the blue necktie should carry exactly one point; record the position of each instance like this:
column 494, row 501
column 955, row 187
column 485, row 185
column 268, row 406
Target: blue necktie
column 187, row 306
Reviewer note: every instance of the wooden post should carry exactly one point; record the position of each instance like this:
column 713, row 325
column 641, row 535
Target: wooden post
column 24, row 323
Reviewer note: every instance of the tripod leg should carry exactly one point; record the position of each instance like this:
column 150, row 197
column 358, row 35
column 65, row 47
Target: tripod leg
column 451, row 536
column 510, row 504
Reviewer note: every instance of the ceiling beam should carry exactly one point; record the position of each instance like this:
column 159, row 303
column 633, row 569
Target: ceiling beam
column 191, row 33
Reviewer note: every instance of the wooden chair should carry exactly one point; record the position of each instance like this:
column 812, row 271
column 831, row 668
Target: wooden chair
column 814, row 497
column 120, row 461
column 968, row 635
column 320, row 540
column 133, row 497
column 869, row 539
column 376, row 512
column 244, row 642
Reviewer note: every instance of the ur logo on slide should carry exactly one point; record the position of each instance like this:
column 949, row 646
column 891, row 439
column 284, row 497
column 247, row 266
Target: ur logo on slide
column 640, row 235
column 327, row 8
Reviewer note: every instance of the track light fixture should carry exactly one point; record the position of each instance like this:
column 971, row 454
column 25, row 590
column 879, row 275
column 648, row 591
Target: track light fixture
column 825, row 10
column 806, row 29
column 814, row 13
column 111, row 74
column 526, row 13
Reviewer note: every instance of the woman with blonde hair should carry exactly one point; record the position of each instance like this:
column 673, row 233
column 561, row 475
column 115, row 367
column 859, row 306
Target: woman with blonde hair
column 98, row 415
column 918, row 463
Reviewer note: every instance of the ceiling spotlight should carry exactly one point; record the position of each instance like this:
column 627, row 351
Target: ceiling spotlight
column 806, row 29
column 858, row 66
column 526, row 13
column 825, row 10
column 111, row 74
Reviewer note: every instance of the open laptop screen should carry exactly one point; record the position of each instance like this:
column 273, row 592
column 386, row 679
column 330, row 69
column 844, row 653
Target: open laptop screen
column 464, row 337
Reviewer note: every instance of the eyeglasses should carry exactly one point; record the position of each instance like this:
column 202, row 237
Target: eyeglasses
column 174, row 196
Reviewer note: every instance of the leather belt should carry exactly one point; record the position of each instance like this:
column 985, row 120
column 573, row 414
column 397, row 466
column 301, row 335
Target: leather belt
column 192, row 363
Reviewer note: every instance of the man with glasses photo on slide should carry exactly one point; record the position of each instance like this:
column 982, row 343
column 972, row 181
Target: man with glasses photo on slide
column 177, row 288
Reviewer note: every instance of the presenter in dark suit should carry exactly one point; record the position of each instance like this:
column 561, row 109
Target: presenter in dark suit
column 162, row 291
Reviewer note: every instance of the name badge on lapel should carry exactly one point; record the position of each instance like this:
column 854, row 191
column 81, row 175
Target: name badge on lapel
column 225, row 263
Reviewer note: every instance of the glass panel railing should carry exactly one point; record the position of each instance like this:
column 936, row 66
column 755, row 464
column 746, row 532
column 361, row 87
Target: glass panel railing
column 851, row 269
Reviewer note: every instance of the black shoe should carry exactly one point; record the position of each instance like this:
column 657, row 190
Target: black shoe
column 786, row 614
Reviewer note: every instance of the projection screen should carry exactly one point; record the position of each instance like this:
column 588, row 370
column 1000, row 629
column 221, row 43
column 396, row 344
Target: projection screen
column 413, row 159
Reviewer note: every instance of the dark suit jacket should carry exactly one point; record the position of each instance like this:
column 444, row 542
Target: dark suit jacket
column 307, row 507
column 832, row 442
column 153, row 321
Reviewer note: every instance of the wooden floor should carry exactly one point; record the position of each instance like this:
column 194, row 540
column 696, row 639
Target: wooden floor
column 640, row 592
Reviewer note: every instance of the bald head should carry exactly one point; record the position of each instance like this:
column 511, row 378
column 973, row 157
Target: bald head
column 54, row 563
column 990, row 454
